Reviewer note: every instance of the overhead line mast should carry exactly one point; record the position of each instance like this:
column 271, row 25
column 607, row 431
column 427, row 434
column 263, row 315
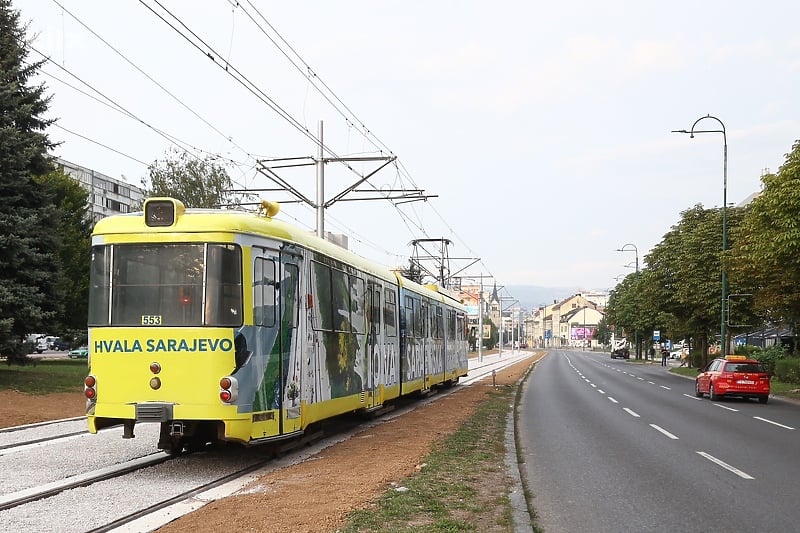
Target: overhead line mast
column 266, row 168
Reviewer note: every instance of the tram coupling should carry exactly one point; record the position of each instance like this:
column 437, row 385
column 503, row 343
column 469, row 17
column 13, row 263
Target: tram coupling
column 176, row 429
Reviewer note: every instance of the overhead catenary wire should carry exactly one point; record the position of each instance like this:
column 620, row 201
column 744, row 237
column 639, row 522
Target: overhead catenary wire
column 200, row 44
column 111, row 103
column 212, row 54
column 153, row 80
column 305, row 70
column 100, row 144
column 410, row 217
column 311, row 75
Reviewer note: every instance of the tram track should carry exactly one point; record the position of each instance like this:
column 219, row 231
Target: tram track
column 147, row 519
column 170, row 506
column 36, row 425
column 6, row 449
column 178, row 499
column 47, row 490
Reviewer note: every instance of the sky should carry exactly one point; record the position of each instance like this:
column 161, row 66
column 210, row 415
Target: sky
column 541, row 132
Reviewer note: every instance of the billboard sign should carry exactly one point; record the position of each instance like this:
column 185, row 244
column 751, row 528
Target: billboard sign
column 582, row 333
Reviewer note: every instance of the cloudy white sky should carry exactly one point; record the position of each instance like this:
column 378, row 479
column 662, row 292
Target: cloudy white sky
column 542, row 127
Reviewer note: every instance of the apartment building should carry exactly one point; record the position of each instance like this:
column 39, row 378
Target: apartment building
column 107, row 195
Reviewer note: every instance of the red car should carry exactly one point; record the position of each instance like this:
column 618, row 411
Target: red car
column 733, row 375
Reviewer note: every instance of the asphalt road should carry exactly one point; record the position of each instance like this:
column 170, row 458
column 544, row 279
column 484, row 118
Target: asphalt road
column 611, row 445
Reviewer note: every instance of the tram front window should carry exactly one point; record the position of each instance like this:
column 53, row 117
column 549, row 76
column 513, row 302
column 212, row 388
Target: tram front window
column 166, row 285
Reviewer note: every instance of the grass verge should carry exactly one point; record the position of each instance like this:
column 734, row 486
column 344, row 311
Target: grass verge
column 44, row 377
column 462, row 485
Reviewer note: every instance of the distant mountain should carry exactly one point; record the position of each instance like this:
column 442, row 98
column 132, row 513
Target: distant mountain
column 531, row 296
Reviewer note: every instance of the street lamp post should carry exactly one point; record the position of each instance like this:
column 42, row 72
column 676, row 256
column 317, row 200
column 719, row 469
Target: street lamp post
column 691, row 132
column 636, row 252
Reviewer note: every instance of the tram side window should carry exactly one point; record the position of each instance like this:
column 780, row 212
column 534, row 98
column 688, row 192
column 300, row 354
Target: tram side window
column 451, row 324
column 99, row 293
column 224, row 285
column 461, row 326
column 321, row 289
column 264, row 292
column 289, row 293
column 389, row 314
column 438, row 326
column 357, row 304
column 340, row 296
column 420, row 318
column 411, row 318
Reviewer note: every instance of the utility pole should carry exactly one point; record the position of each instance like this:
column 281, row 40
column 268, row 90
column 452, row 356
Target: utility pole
column 479, row 339
column 441, row 271
column 268, row 168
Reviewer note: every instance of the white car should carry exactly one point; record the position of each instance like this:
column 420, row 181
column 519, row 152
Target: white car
column 676, row 354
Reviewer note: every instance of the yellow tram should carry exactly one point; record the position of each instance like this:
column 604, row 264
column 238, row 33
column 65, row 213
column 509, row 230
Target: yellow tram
column 236, row 326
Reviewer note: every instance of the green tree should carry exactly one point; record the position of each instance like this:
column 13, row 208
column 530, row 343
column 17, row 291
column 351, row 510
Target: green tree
column 195, row 182
column 29, row 275
column 684, row 272
column 602, row 334
column 627, row 311
column 75, row 232
column 767, row 246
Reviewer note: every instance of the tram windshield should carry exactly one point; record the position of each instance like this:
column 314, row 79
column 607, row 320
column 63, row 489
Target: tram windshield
column 193, row 284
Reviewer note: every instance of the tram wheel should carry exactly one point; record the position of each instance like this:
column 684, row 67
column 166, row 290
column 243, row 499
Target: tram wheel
column 175, row 447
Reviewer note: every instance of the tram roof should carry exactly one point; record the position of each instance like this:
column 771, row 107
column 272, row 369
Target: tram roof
column 192, row 223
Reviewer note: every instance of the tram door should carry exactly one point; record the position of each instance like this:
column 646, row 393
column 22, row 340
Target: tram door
column 425, row 343
column 289, row 340
column 375, row 345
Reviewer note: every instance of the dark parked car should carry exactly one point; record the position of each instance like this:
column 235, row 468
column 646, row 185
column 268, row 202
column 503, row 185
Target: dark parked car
column 59, row 345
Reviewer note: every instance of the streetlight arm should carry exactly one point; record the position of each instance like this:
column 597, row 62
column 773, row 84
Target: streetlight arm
column 723, row 321
column 635, row 250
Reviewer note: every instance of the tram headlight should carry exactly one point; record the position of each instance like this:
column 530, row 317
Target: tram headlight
column 162, row 212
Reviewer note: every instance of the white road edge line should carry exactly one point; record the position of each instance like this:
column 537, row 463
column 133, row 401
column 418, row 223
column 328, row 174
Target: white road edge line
column 726, row 466
column 630, row 412
column 771, row 422
column 664, row 431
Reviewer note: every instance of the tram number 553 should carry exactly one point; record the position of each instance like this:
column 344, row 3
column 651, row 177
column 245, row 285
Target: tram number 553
column 151, row 320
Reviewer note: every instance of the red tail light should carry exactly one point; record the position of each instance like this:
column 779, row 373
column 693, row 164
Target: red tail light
column 228, row 389
column 89, row 387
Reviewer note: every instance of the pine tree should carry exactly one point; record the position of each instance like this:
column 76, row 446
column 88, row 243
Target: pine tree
column 29, row 270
